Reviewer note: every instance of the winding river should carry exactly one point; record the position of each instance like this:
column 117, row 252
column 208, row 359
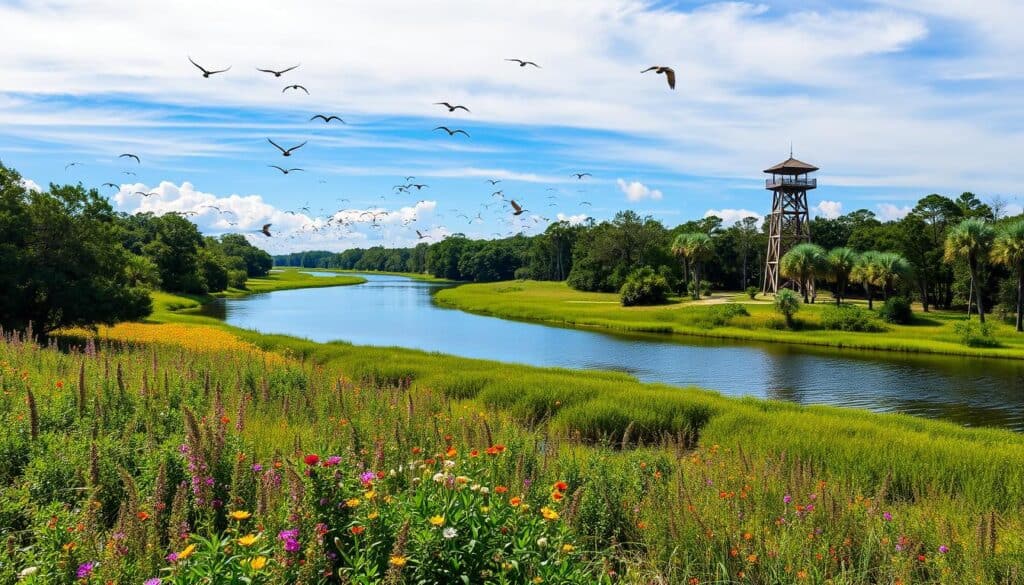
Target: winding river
column 398, row 311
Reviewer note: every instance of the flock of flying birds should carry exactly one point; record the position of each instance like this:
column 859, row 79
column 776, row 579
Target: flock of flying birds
column 344, row 218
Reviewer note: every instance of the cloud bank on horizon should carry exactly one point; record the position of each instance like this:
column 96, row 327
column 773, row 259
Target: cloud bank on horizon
column 893, row 99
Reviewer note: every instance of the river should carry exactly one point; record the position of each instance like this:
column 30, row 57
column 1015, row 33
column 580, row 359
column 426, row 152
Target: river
column 398, row 311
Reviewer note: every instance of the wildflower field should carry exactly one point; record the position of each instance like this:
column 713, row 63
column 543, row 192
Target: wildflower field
column 170, row 453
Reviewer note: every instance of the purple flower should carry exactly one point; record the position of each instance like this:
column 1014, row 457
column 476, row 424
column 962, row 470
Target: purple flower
column 85, row 570
column 943, row 549
column 332, row 461
column 787, row 499
column 153, row 581
column 290, row 534
column 887, row 516
column 256, row 468
column 366, row 476
column 172, row 558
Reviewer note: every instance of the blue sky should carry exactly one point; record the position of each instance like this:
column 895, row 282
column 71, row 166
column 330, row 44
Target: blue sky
column 892, row 99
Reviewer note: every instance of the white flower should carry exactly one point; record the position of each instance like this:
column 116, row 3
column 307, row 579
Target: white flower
column 485, row 490
column 449, row 532
column 28, row 572
column 439, row 477
column 542, row 542
column 448, row 463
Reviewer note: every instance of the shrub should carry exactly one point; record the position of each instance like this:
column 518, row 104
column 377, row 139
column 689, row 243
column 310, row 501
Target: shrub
column 523, row 273
column 705, row 289
column 644, row 287
column 896, row 310
column 787, row 303
column 752, row 292
column 849, row 318
column 237, row 278
column 976, row 334
column 720, row 315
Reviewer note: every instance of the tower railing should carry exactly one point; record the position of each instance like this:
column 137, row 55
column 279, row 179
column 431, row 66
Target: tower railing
column 784, row 181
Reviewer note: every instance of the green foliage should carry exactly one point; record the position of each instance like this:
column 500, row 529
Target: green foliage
column 896, row 310
column 62, row 261
column 804, row 263
column 644, row 287
column 849, row 318
column 752, row 292
column 787, row 303
column 719, row 315
column 974, row 334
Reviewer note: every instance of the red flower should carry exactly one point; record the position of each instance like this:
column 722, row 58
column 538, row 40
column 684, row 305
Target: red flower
column 474, row 453
column 312, row 459
column 561, row 486
column 143, row 515
column 357, row 530
column 500, row 489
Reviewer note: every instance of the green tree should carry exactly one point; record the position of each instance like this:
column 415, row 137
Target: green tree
column 867, row 271
column 62, row 261
column 971, row 240
column 257, row 262
column 700, row 250
column 803, row 263
column 892, row 269
column 787, row 303
column 1008, row 250
column 839, row 264
column 681, row 250
column 175, row 250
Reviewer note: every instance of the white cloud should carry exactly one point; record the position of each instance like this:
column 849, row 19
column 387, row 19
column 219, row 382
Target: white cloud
column 30, row 185
column 731, row 216
column 637, row 191
column 828, row 209
column 573, row 219
column 890, row 212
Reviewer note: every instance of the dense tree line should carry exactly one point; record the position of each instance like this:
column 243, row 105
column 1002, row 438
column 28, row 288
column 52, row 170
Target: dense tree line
column 68, row 259
column 855, row 254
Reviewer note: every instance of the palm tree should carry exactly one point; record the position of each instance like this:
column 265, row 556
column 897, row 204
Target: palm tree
column 840, row 262
column 1008, row 250
column 803, row 263
column 867, row 271
column 892, row 267
column 681, row 250
column 701, row 249
column 971, row 240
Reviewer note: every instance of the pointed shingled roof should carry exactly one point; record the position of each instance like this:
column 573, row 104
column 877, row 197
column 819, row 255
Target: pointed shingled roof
column 791, row 166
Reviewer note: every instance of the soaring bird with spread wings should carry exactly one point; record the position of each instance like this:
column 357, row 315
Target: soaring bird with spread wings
column 207, row 72
column 668, row 72
column 286, row 151
column 523, row 63
column 277, row 73
column 452, row 132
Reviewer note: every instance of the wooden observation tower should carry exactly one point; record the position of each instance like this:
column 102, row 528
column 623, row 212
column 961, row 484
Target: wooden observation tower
column 789, row 222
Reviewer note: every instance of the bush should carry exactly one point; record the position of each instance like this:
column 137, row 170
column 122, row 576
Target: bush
column 644, row 287
column 787, row 303
column 523, row 273
column 237, row 278
column 752, row 292
column 720, row 315
column 896, row 310
column 705, row 289
column 849, row 318
column 974, row 334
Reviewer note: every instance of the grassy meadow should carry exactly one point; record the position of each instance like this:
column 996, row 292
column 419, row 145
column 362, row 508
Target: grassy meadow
column 184, row 448
column 555, row 302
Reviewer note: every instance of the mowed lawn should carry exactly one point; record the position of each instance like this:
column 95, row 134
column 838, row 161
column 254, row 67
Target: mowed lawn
column 931, row 332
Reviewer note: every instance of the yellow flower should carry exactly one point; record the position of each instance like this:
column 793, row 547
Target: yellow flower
column 247, row 540
column 568, row 548
column 258, row 563
column 240, row 515
column 437, row 520
column 187, row 552
column 372, row 516
column 485, row 509
column 397, row 561
column 548, row 513
column 537, row 580
column 352, row 502
column 370, row 495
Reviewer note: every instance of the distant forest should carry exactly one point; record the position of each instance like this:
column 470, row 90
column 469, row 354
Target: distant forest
column 599, row 256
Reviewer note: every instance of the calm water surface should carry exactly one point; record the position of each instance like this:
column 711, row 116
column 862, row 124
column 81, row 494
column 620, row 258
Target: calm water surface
column 397, row 311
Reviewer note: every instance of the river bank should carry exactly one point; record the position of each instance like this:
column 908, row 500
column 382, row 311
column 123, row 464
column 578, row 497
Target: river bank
column 555, row 302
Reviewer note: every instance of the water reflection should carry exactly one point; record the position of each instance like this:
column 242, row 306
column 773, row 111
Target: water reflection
column 391, row 310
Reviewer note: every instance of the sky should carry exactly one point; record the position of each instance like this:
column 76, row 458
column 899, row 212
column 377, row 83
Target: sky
column 893, row 99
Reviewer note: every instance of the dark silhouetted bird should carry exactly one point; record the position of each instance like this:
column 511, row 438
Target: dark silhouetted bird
column 450, row 107
column 295, row 86
column 668, row 72
column 283, row 170
column 579, row 176
column 523, row 63
column 452, row 132
column 114, row 185
column 72, row 164
column 285, row 152
column 206, row 72
column 277, row 73
column 517, row 209
column 130, row 155
column 493, row 181
column 326, row 119
column 266, row 229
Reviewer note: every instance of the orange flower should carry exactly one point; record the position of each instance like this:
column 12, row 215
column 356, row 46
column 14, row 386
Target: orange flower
column 451, row 452
column 561, row 486
column 357, row 530
column 515, row 501
column 557, row 496
column 474, row 453
column 142, row 515
column 752, row 559
column 500, row 489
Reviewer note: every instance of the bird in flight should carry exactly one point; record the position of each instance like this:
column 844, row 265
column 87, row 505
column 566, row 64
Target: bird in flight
column 286, row 152
column 130, row 155
column 326, row 119
column 518, row 210
column 277, row 73
column 419, row 186
column 586, row 203
column 206, row 72
column 409, row 178
column 266, row 229
column 144, row 194
column 421, row 236
column 523, row 63
column 450, row 107
column 114, row 185
column 295, row 86
column 493, row 182
column 452, row 132
column 128, row 173
column 668, row 72
column 73, row 164
column 579, row 176
column 283, row 170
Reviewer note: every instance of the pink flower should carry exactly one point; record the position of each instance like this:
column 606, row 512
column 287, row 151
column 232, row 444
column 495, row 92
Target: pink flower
column 787, row 499
column 887, row 516
column 943, row 549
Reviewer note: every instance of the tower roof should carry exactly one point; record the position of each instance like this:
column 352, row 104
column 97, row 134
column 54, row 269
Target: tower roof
column 791, row 166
